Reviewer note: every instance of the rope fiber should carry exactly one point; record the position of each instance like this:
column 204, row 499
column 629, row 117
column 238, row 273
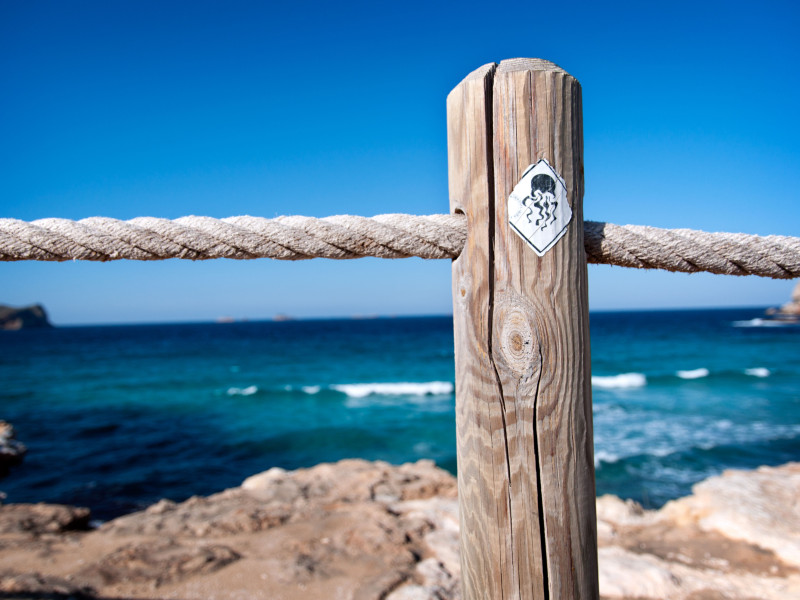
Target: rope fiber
column 383, row 236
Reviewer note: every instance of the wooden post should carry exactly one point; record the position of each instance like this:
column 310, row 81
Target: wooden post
column 523, row 382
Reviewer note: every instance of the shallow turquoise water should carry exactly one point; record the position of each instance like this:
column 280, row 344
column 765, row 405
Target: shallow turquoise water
column 118, row 417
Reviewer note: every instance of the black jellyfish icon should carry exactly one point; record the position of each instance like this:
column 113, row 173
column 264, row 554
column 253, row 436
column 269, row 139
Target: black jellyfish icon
column 543, row 199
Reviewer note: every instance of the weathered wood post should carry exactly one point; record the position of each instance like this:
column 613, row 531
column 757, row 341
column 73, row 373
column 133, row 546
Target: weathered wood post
column 523, row 383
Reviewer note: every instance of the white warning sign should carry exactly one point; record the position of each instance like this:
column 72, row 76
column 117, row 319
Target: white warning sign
column 538, row 209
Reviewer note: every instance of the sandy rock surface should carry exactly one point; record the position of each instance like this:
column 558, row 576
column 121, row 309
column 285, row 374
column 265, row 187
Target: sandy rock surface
column 363, row 530
column 332, row 531
column 733, row 538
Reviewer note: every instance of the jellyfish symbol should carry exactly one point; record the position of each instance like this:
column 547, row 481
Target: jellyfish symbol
column 543, row 200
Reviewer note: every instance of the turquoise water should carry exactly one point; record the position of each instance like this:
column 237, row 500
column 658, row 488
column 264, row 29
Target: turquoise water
column 117, row 417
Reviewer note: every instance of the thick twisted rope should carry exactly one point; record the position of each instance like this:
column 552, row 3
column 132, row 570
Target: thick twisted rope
column 201, row 238
column 692, row 251
column 384, row 236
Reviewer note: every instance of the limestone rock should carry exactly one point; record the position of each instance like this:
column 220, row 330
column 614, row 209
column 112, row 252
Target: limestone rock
column 760, row 507
column 33, row 585
column 38, row 519
column 367, row 531
column 157, row 562
column 354, row 529
column 277, row 497
column 735, row 537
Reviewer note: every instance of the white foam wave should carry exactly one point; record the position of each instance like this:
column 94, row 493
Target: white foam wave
column 248, row 391
column 423, row 448
column 621, row 381
column 693, row 373
column 764, row 323
column 758, row 372
column 640, row 434
column 311, row 389
column 604, row 456
column 362, row 390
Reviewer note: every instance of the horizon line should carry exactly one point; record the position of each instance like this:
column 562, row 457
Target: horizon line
column 286, row 318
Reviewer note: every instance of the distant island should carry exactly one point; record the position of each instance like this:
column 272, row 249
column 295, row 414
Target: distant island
column 28, row 317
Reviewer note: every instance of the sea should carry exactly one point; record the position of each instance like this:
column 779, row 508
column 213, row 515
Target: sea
column 118, row 417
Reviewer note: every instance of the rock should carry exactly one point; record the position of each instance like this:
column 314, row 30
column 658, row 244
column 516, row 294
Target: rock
column 354, row 529
column 276, row 497
column 789, row 311
column 157, row 563
column 38, row 519
column 435, row 522
column 735, row 537
column 758, row 507
column 630, row 575
column 28, row 317
column 11, row 450
column 230, row 512
column 369, row 531
column 34, row 585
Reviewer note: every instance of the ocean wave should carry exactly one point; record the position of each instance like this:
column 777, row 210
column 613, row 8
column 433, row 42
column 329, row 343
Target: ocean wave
column 604, row 456
column 758, row 372
column 248, row 391
column 693, row 373
column 640, row 435
column 362, row 390
column 621, row 381
column 311, row 389
column 764, row 323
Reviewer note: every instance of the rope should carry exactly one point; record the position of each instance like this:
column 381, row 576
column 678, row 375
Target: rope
column 202, row 238
column 384, row 236
column 692, row 251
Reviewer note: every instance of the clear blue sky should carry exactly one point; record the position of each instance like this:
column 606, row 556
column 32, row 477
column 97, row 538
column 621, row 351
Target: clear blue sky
column 166, row 109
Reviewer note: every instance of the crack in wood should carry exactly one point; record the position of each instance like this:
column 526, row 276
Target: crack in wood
column 540, row 494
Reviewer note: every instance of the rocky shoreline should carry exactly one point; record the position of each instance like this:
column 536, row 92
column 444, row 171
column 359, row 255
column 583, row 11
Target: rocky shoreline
column 369, row 530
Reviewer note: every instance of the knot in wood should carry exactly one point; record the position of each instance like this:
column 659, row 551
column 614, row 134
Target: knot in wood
column 517, row 341
column 462, row 289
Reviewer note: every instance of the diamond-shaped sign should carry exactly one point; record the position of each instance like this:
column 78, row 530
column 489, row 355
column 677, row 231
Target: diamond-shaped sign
column 538, row 209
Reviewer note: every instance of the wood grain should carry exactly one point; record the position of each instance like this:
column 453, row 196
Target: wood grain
column 523, row 394
column 469, row 160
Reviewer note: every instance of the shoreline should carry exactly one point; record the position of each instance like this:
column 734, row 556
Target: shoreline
column 360, row 529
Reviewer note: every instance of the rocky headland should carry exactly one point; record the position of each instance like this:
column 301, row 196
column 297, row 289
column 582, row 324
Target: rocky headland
column 789, row 311
column 12, row 450
column 369, row 530
column 28, row 317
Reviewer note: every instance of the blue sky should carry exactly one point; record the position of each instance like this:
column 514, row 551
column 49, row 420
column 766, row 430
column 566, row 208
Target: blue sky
column 166, row 109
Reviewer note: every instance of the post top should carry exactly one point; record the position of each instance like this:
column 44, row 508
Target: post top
column 528, row 64
column 481, row 71
column 511, row 65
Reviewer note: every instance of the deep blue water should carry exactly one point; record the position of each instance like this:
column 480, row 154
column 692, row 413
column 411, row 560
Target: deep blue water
column 117, row 417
